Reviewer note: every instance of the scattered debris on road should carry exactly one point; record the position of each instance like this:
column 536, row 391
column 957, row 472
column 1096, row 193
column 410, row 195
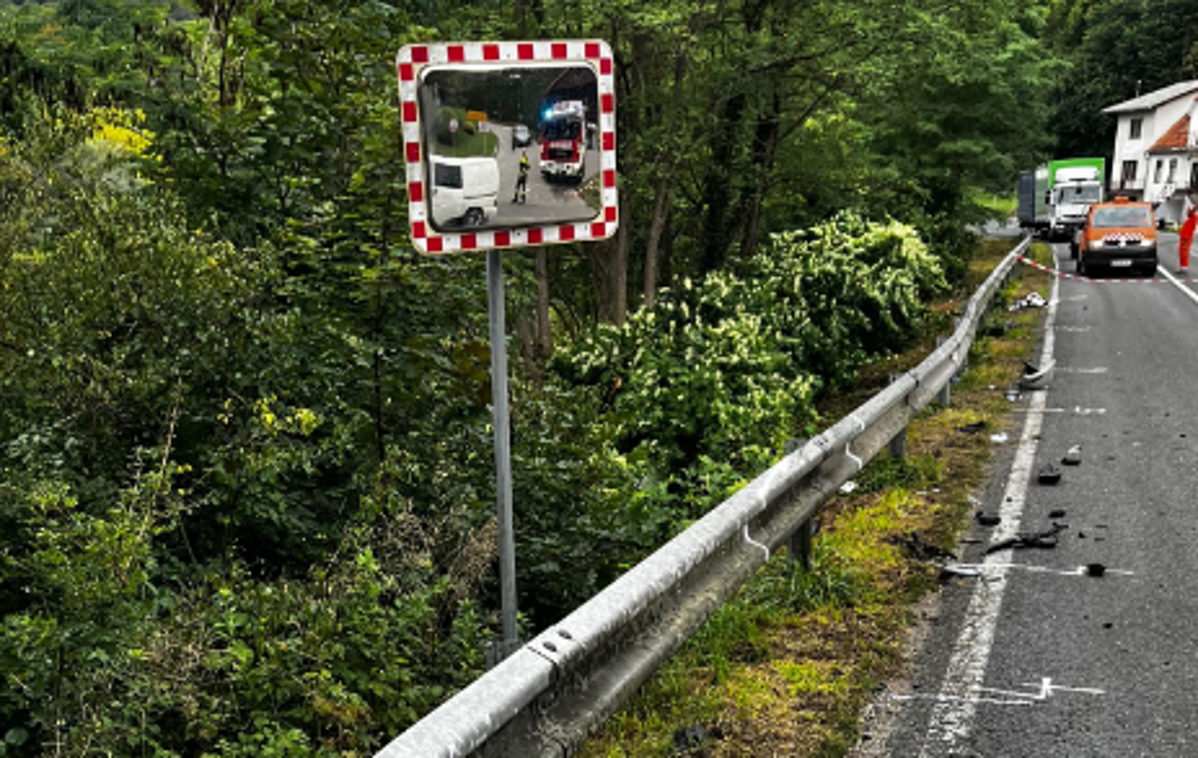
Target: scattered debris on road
column 1049, row 473
column 985, row 519
column 1033, row 300
column 973, row 428
column 1058, row 513
column 1036, row 377
column 1073, row 457
column 914, row 546
column 1049, row 538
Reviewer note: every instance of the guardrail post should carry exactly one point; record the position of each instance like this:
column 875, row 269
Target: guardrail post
column 897, row 447
column 944, row 396
column 798, row 544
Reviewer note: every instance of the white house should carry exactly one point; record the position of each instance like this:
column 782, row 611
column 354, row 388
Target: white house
column 1156, row 149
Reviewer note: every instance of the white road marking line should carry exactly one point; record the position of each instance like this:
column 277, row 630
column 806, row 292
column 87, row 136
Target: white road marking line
column 952, row 719
column 1095, row 370
column 971, row 699
column 1177, row 283
column 1076, row 410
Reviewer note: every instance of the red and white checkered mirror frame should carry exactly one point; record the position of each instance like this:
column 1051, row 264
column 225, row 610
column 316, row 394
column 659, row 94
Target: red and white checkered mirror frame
column 595, row 53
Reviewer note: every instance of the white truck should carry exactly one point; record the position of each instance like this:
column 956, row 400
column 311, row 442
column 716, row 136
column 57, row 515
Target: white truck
column 1055, row 198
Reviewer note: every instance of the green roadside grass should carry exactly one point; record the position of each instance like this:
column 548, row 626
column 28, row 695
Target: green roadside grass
column 788, row 666
column 1002, row 206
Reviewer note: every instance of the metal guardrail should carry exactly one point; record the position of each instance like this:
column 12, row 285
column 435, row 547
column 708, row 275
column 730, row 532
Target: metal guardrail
column 545, row 698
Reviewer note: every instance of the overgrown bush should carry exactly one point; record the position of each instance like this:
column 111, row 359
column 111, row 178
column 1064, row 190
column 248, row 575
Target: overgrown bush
column 704, row 390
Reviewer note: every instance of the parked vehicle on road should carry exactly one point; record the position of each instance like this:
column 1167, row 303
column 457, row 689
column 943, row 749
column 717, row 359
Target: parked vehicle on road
column 521, row 136
column 465, row 190
column 1119, row 234
column 1055, row 198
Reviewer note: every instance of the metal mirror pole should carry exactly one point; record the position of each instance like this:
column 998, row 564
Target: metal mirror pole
column 503, row 451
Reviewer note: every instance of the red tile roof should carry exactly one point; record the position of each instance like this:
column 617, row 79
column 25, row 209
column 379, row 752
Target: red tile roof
column 1175, row 139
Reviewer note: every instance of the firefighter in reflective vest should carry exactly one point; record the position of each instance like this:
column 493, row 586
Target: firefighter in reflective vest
column 1187, row 238
column 522, row 180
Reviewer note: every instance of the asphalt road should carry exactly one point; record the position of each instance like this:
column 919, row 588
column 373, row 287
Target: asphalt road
column 1033, row 658
column 547, row 202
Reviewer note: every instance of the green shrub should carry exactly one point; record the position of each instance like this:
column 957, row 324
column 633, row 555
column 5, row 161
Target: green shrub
column 702, row 392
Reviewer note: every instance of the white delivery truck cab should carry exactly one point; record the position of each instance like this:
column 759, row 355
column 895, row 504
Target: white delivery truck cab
column 465, row 190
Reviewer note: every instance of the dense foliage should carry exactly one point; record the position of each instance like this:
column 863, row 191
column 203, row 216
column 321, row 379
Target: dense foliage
column 246, row 493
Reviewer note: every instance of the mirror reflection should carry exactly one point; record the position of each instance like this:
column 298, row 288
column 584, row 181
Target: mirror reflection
column 511, row 147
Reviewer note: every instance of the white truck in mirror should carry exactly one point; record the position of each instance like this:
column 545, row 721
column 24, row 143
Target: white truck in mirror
column 465, row 190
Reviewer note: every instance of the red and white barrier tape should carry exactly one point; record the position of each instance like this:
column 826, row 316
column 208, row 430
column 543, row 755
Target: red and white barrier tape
column 1091, row 280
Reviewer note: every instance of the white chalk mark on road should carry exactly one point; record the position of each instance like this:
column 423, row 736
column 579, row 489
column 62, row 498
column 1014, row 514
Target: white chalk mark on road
column 1079, row 571
column 1041, row 691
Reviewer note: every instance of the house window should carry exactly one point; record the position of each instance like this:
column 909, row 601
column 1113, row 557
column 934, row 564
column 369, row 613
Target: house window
column 1172, row 170
column 1129, row 171
column 1156, row 175
column 1136, row 126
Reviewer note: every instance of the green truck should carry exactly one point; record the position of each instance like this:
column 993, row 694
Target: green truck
column 1055, row 198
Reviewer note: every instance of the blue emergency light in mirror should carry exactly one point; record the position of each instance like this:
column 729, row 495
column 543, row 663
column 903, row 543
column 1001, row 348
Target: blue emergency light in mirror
column 510, row 147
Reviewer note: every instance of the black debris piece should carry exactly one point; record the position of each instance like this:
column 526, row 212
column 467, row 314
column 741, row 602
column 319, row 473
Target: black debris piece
column 1045, row 539
column 1050, row 473
column 1036, row 377
column 915, row 547
column 973, row 428
column 985, row 519
column 689, row 740
column 1058, row 513
column 1095, row 569
column 1081, row 535
column 1073, row 457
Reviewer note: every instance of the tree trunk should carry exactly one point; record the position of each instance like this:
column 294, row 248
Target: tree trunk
column 620, row 278
column 609, row 271
column 717, row 186
column 765, row 147
column 661, row 212
column 525, row 332
column 544, row 331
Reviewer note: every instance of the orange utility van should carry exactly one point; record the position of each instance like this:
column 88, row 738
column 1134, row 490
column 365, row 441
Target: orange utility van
column 1120, row 234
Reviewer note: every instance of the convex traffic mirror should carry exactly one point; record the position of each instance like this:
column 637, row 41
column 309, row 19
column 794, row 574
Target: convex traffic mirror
column 508, row 144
